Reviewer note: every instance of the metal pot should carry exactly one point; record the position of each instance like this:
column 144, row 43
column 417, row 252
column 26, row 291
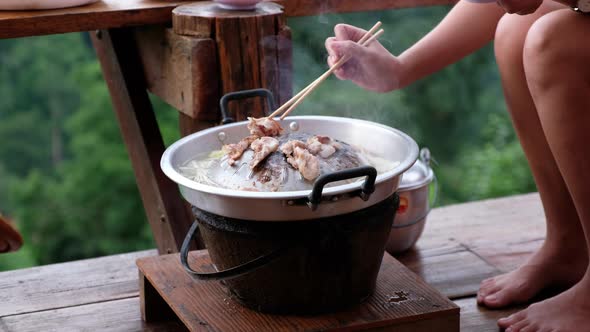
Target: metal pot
column 322, row 200
column 414, row 193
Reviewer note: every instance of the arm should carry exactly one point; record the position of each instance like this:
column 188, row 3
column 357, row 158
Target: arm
column 465, row 29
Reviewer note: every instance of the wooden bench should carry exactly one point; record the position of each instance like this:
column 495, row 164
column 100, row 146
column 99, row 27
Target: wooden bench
column 462, row 245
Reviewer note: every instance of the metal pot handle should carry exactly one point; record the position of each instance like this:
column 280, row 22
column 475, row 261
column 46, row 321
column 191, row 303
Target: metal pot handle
column 244, row 94
column 368, row 187
column 229, row 273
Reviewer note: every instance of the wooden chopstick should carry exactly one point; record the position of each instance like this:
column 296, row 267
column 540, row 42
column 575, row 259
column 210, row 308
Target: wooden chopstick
column 317, row 82
column 279, row 110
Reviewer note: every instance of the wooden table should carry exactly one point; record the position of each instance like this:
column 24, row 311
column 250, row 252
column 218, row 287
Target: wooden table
column 462, row 244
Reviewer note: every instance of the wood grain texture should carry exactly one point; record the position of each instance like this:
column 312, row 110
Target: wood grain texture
column 479, row 319
column 503, row 232
column 204, row 305
column 105, row 14
column 248, row 50
column 164, row 206
column 116, row 315
column 452, row 269
column 69, row 284
column 181, row 70
column 108, row 14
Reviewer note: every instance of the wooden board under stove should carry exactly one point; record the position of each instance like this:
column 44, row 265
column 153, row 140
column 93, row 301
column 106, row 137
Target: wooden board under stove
column 402, row 301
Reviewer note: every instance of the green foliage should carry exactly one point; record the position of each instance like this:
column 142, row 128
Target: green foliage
column 66, row 178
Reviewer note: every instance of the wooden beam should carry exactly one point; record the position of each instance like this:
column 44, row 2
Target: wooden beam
column 108, row 14
column 116, row 315
column 118, row 55
column 181, row 70
column 70, row 284
column 240, row 66
column 105, row 14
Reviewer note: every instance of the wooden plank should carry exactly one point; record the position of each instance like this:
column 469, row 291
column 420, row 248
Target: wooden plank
column 69, row 284
column 205, row 303
column 479, row 319
column 153, row 307
column 119, row 58
column 124, row 315
column 503, row 232
column 108, row 14
column 453, row 270
column 105, row 14
column 118, row 315
column 181, row 70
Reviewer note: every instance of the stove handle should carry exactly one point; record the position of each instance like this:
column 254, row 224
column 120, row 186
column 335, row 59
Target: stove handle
column 231, row 272
column 244, row 94
column 315, row 198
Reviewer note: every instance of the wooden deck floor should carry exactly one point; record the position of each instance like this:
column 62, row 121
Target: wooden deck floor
column 462, row 244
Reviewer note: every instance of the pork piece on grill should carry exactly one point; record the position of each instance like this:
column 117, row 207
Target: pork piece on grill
column 262, row 147
column 235, row 151
column 264, row 127
column 307, row 164
column 288, row 147
column 323, row 146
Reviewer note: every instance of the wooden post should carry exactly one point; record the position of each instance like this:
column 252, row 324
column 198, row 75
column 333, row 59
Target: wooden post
column 253, row 50
column 166, row 213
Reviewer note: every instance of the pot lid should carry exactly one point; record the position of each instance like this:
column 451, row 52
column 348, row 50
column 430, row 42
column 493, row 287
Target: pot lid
column 419, row 174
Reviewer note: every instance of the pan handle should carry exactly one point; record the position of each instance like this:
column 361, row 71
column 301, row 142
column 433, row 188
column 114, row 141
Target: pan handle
column 229, row 273
column 368, row 187
column 244, row 94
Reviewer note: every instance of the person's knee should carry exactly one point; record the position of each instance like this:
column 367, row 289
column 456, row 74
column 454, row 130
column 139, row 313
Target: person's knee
column 546, row 50
column 508, row 44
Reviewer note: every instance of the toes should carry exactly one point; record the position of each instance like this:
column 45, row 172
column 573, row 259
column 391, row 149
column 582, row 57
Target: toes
column 518, row 326
column 512, row 319
column 497, row 299
column 488, row 281
column 485, row 291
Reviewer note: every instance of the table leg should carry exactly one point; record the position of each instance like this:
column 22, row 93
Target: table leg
column 119, row 59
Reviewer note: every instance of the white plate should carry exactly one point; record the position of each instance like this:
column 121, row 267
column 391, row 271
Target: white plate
column 41, row 4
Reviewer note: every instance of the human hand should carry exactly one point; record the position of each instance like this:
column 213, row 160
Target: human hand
column 371, row 67
column 520, row 7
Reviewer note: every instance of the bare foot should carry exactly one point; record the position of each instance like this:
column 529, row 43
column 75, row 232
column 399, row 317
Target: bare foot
column 545, row 269
column 565, row 312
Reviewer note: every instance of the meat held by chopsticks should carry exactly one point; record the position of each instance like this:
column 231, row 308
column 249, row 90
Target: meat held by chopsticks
column 262, row 148
column 307, row 164
column 235, row 151
column 323, row 146
column 264, row 127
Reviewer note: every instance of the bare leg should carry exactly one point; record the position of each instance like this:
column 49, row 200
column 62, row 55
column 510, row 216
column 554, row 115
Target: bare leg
column 556, row 57
column 562, row 260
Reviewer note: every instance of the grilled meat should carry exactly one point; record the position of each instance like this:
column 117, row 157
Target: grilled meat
column 235, row 151
column 264, row 127
column 262, row 148
column 323, row 146
column 307, row 164
column 288, row 147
